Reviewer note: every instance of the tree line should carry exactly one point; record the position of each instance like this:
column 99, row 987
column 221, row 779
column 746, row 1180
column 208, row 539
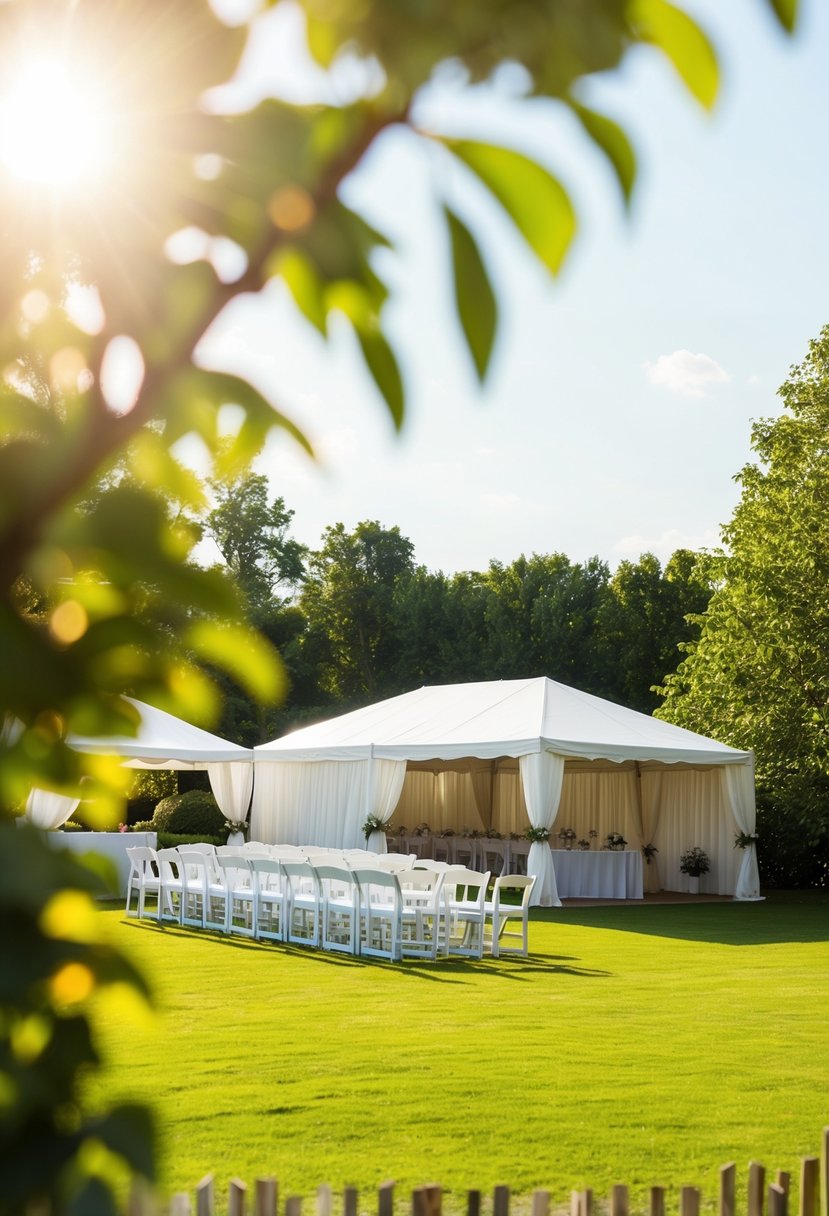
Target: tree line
column 358, row 619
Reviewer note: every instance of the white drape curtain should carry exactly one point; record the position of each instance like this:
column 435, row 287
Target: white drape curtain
column 232, row 785
column 48, row 810
column 738, row 794
column 694, row 812
column 542, row 775
column 385, row 785
column 322, row 802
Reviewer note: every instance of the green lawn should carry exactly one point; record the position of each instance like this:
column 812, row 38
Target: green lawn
column 639, row 1045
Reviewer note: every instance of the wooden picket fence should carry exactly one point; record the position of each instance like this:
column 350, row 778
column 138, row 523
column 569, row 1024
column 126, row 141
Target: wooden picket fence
column 766, row 1196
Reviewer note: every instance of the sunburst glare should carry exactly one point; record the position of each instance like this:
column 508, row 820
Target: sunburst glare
column 53, row 127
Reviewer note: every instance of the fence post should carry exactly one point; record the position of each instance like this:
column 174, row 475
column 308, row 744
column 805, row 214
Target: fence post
column 689, row 1201
column 350, row 1197
column 385, row 1199
column 619, row 1200
column 657, row 1203
column 426, row 1200
column 540, row 1203
column 778, row 1200
column 180, row 1204
column 293, row 1206
column 824, row 1172
column 324, row 1199
column 809, row 1185
column 728, row 1189
column 500, row 1201
column 473, row 1203
column 236, row 1197
column 205, row 1196
column 756, row 1188
column 265, row 1197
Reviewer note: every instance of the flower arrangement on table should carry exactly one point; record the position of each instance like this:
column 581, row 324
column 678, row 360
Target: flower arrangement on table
column 593, row 834
column 694, row 862
column 744, row 840
column 373, row 823
column 446, row 833
column 584, row 845
column 615, row 841
column 422, row 829
column 537, row 835
column 568, row 835
column 648, row 852
column 236, row 825
column 491, row 835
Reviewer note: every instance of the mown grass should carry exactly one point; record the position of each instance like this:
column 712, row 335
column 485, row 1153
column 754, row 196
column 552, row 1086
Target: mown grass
column 644, row 1045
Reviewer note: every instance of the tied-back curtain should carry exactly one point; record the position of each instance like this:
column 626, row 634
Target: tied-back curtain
column 385, row 785
column 542, row 776
column 48, row 810
column 738, row 791
column 647, row 805
column 232, row 784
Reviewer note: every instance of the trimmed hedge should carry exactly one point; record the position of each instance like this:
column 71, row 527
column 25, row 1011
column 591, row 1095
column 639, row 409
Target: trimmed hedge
column 192, row 814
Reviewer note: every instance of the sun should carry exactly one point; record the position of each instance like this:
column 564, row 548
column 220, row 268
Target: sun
column 53, row 127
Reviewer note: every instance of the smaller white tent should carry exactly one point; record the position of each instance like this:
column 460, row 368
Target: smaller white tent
column 513, row 753
column 161, row 741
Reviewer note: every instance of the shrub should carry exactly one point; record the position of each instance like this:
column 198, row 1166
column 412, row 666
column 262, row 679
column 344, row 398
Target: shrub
column 169, row 840
column 192, row 814
column 144, row 825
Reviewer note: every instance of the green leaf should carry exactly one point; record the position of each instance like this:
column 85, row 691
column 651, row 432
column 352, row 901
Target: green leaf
column 382, row 364
column 786, row 12
column 244, row 654
column 613, row 141
column 474, row 297
column 128, row 1131
column 683, row 42
column 303, row 282
column 536, row 202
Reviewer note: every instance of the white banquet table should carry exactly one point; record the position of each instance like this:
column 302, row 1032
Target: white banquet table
column 598, row 873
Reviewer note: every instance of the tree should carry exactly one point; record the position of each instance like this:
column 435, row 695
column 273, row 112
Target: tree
column 759, row 675
column 348, row 600
column 645, row 620
column 251, row 534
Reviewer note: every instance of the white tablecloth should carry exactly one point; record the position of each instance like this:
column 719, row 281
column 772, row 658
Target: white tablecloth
column 598, row 874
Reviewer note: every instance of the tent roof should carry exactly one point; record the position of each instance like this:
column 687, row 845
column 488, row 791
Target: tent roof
column 498, row 718
column 163, row 741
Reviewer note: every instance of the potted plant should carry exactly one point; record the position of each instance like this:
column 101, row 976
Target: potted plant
column 694, row 862
column 236, row 829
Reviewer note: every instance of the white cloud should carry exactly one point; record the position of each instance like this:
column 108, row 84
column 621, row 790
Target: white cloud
column 687, row 374
column 662, row 546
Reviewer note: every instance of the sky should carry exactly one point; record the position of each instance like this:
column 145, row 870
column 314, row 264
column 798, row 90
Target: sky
column 619, row 404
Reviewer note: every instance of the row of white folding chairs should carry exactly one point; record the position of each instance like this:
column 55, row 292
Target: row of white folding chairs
column 389, row 911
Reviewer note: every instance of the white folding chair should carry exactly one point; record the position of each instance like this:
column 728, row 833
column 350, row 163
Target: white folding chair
column 203, row 889
column 380, row 913
column 340, row 899
column 421, row 912
column 519, row 851
column 463, row 851
column 499, row 913
column 492, row 855
column 302, row 911
column 269, row 885
column 171, row 878
column 405, row 860
column 235, row 891
column 464, row 902
column 143, row 879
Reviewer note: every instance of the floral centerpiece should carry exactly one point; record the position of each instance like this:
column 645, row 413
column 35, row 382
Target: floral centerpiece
column 422, row 829
column 236, row 825
column 694, row 862
column 584, row 845
column 567, row 836
column 373, row 823
column 615, row 841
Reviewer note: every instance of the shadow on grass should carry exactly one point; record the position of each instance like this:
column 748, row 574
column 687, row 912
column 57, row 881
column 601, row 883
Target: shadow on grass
column 443, row 970
column 784, row 916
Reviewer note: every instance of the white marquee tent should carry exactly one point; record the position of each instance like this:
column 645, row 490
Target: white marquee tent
column 501, row 755
column 161, row 741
